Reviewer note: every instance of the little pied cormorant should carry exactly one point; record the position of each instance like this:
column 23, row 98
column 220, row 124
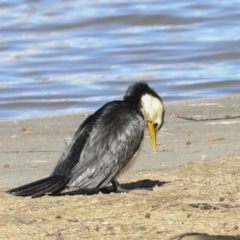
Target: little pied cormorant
column 104, row 145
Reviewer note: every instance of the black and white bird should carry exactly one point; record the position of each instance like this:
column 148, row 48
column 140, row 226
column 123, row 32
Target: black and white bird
column 104, row 145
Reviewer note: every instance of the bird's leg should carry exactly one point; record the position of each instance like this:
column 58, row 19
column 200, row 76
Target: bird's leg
column 117, row 187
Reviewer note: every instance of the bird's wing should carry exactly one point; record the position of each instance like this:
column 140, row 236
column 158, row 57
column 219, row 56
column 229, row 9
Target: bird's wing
column 113, row 141
column 71, row 154
column 60, row 177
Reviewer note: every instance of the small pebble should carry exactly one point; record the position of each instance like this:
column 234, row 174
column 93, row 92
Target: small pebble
column 105, row 223
column 221, row 199
column 235, row 227
column 147, row 215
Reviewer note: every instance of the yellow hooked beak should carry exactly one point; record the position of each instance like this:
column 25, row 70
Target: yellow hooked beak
column 152, row 134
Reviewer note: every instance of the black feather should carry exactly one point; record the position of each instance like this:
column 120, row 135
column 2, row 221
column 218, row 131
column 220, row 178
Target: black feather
column 137, row 90
column 41, row 187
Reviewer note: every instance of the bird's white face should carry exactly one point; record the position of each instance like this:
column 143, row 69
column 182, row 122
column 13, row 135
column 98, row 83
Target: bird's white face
column 153, row 111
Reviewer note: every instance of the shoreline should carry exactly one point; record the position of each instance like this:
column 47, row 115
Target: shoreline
column 75, row 112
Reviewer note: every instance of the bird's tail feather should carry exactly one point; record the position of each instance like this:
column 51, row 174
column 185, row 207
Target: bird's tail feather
column 53, row 184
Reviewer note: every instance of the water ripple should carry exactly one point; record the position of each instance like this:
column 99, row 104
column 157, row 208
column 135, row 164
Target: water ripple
column 59, row 57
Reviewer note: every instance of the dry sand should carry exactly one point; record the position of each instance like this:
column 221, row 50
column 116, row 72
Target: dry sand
column 201, row 196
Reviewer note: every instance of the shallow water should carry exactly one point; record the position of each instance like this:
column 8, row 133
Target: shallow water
column 73, row 56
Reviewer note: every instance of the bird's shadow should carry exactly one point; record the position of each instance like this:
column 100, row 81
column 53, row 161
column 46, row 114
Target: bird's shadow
column 145, row 184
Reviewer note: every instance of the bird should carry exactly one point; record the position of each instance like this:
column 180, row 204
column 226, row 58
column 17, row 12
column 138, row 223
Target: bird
column 105, row 145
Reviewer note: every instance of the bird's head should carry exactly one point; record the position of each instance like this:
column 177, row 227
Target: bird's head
column 152, row 107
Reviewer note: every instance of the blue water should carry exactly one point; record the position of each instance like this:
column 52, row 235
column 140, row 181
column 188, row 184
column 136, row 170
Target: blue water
column 73, row 56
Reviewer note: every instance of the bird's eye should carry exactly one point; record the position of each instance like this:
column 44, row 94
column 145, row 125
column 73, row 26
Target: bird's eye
column 155, row 125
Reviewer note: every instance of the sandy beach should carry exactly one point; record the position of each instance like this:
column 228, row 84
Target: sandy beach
column 194, row 176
